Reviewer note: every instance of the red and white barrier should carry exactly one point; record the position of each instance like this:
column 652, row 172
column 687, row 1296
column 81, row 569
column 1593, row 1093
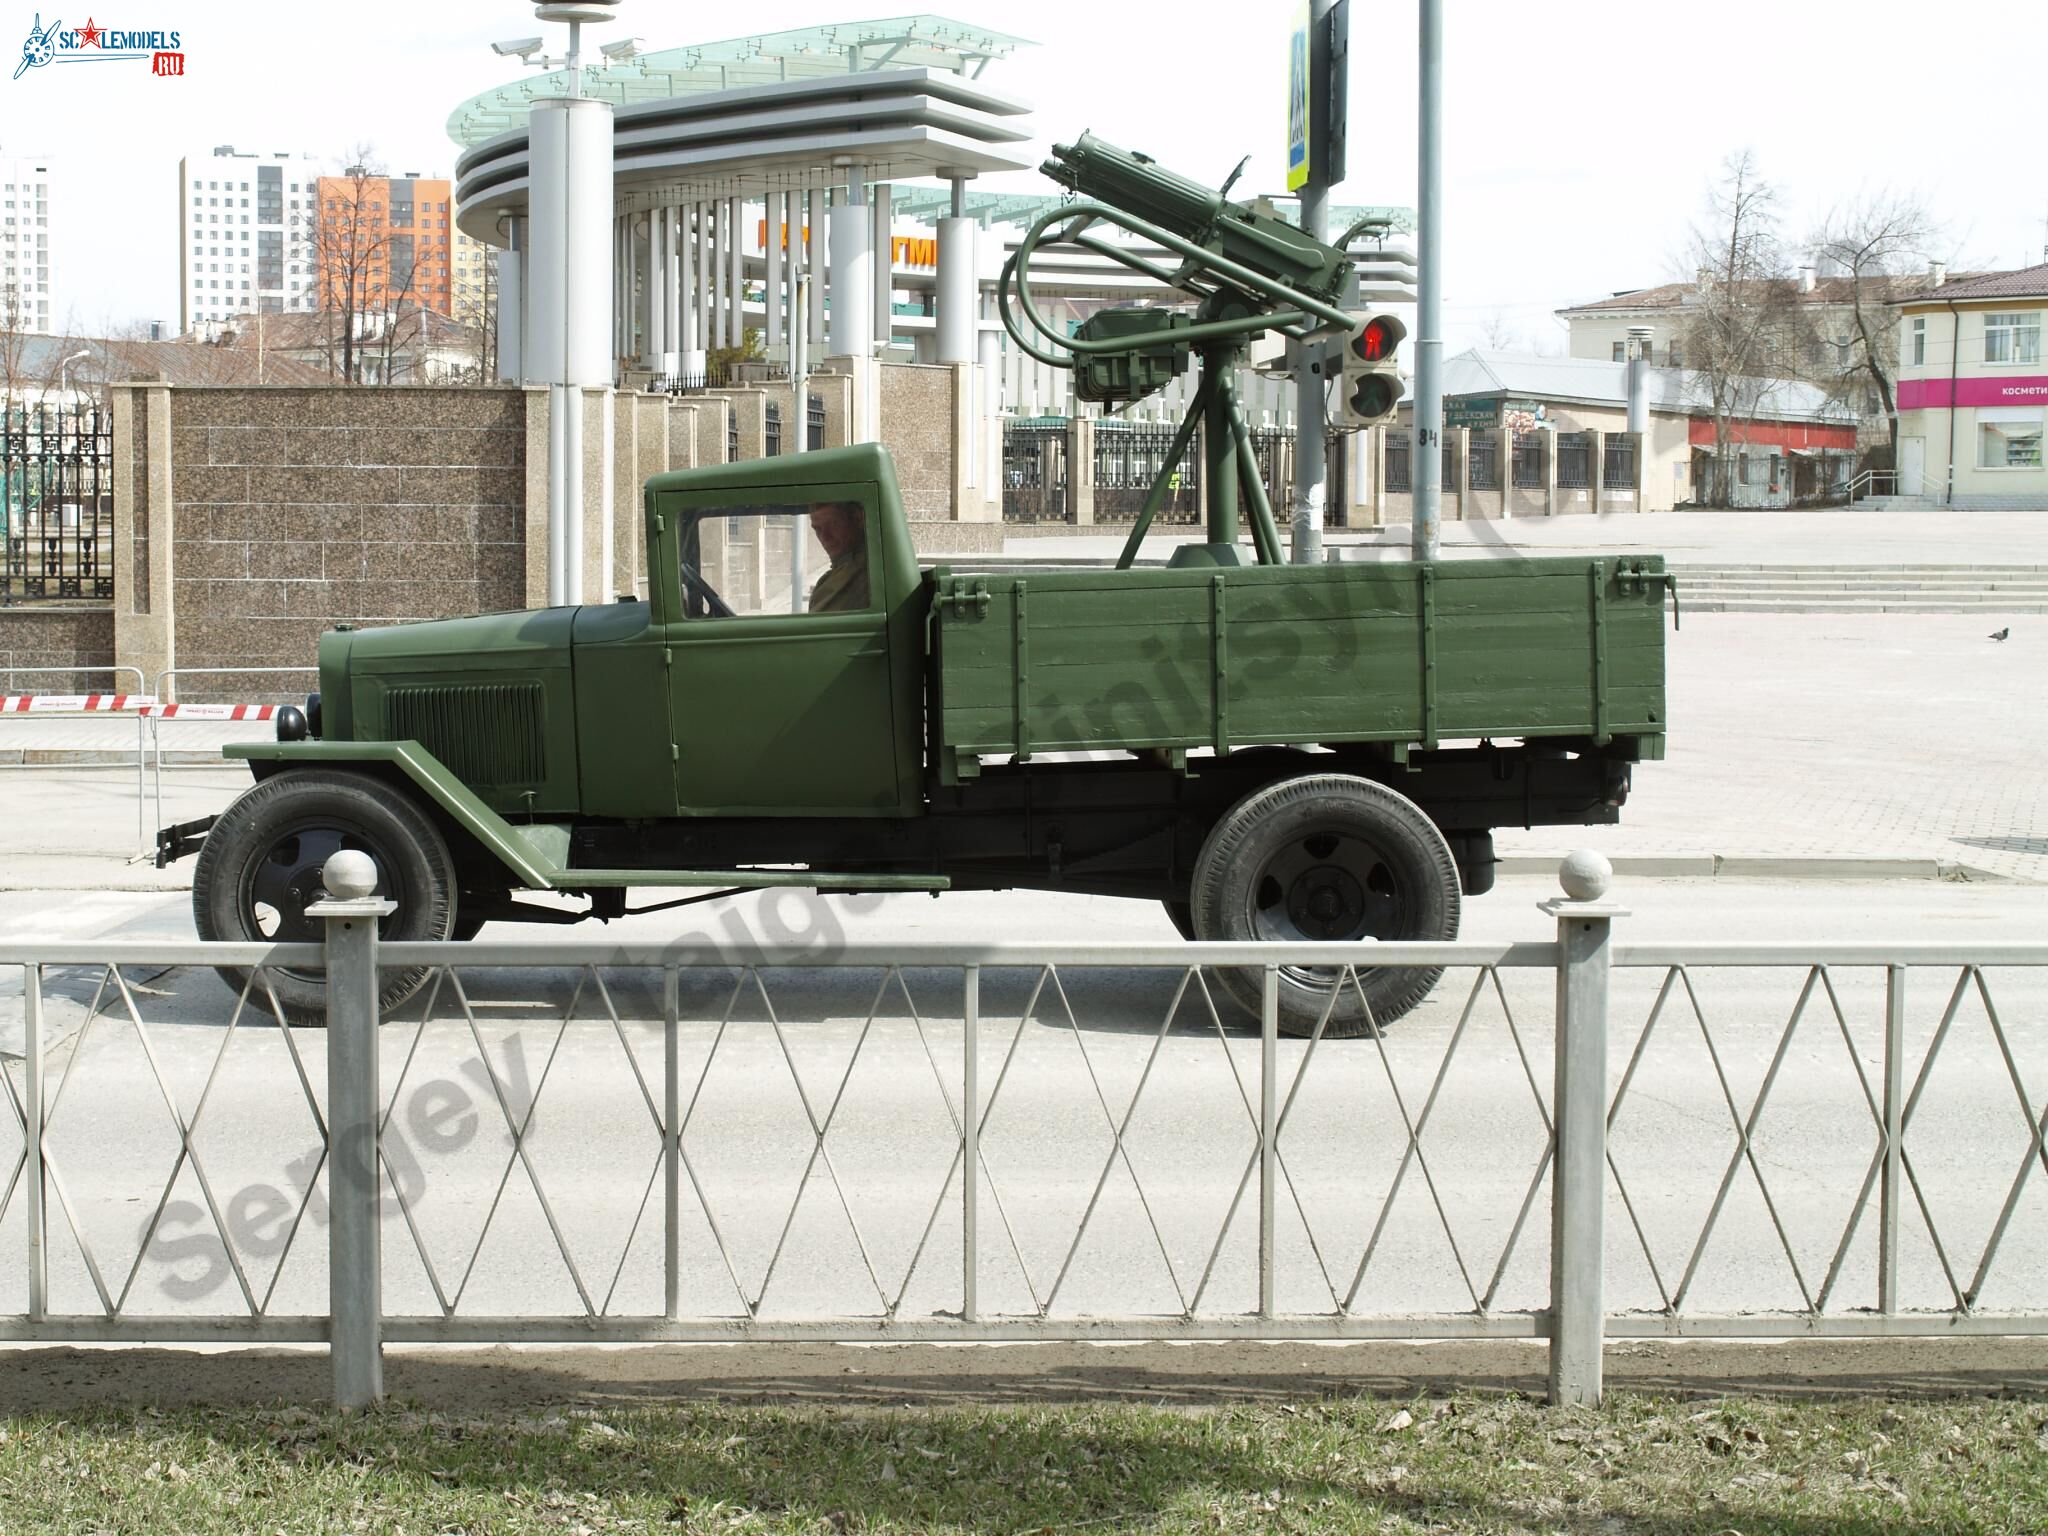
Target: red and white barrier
column 141, row 704
column 210, row 711
column 74, row 703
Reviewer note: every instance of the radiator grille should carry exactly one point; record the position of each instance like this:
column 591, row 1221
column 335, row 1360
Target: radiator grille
column 487, row 733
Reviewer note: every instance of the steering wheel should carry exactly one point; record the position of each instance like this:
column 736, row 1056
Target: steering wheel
column 696, row 586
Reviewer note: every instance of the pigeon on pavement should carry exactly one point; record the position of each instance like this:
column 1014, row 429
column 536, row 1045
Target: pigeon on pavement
column 2001, row 634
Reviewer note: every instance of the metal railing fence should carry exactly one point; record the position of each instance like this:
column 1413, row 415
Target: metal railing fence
column 720, row 1138
column 56, row 503
column 1574, row 461
column 1128, row 458
column 1035, row 473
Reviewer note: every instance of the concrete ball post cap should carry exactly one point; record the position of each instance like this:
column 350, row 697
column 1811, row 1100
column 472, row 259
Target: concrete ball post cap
column 1585, row 875
column 350, row 875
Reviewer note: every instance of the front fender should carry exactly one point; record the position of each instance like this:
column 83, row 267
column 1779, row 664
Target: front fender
column 532, row 854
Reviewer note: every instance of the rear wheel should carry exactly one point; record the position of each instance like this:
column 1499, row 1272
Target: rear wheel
column 1327, row 858
column 260, row 869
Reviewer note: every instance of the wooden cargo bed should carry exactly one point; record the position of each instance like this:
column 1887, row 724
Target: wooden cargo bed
column 1059, row 661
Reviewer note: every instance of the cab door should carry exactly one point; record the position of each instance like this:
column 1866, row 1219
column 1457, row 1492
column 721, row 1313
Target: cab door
column 777, row 709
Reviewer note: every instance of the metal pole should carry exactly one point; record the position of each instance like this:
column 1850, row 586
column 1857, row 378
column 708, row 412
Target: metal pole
column 671, row 1141
column 1578, row 1199
column 354, row 1257
column 970, row 1148
column 1894, row 1180
column 32, row 1140
column 1269, row 1128
column 1311, row 482
column 1427, row 469
column 800, row 409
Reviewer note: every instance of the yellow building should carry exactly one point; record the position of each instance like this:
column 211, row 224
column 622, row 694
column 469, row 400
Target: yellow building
column 470, row 286
column 1973, row 390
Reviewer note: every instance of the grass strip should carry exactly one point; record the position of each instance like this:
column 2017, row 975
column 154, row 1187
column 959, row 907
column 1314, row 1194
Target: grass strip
column 1642, row 1464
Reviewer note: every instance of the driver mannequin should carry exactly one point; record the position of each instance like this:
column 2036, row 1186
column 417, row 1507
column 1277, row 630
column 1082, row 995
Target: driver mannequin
column 841, row 526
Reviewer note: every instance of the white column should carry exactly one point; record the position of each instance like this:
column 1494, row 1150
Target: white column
column 852, row 318
column 569, row 274
column 511, row 306
column 657, row 291
column 716, row 253
column 883, row 246
column 701, row 289
column 773, row 207
column 959, row 282
column 735, row 210
column 814, row 247
column 686, row 285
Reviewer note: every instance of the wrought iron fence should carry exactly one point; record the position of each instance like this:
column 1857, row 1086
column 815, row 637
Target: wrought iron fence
column 740, row 374
column 1035, row 485
column 1526, row 461
column 56, row 503
column 1128, row 458
column 1482, row 451
column 1618, row 462
column 1396, row 458
column 1273, row 447
column 720, row 1138
column 1574, row 461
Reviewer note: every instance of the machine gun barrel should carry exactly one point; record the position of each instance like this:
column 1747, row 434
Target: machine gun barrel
column 1140, row 186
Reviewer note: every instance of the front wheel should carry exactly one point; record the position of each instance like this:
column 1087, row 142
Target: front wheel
column 260, row 871
column 1324, row 858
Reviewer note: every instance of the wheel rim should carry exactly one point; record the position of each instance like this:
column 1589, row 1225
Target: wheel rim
column 279, row 886
column 1327, row 885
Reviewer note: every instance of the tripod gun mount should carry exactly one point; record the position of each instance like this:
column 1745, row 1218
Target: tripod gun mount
column 1247, row 272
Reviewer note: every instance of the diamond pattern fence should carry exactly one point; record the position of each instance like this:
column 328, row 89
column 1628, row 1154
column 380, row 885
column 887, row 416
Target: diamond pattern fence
column 595, row 1141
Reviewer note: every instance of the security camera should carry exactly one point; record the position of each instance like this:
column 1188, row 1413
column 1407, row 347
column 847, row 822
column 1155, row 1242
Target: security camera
column 518, row 47
column 622, row 50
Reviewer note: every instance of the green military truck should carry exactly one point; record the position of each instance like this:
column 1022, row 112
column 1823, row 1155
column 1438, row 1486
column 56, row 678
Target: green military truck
column 1272, row 751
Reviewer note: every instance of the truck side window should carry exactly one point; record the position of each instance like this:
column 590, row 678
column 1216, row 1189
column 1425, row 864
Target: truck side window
column 745, row 562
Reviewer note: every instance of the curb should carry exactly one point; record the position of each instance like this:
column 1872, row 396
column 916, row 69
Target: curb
column 1767, row 867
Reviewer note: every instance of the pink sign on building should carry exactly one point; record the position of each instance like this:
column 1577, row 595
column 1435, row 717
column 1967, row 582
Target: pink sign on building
column 1933, row 394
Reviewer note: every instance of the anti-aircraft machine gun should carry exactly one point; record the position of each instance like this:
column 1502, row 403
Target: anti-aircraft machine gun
column 1248, row 272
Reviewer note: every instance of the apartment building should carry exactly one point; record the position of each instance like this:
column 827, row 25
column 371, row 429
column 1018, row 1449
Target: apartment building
column 245, row 235
column 385, row 243
column 26, row 303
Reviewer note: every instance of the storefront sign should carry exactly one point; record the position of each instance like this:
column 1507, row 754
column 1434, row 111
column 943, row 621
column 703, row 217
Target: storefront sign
column 1933, row 394
column 1471, row 413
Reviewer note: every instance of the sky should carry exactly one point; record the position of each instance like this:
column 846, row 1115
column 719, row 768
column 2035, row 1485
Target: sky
column 1580, row 138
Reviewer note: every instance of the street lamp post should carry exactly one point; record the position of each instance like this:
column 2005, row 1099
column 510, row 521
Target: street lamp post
column 63, row 368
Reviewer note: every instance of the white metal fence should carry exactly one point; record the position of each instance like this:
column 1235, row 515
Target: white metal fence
column 725, row 1139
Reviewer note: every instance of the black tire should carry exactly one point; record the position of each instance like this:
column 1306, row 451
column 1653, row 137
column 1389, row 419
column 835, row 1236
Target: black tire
column 1327, row 857
column 259, row 869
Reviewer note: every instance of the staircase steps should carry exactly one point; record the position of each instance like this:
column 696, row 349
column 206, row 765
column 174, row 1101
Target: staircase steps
column 1977, row 589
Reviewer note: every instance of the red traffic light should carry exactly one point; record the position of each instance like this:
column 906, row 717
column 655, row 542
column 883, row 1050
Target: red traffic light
column 1376, row 343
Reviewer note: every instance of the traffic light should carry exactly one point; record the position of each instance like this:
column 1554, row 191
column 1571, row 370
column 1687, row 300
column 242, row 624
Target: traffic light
column 1372, row 371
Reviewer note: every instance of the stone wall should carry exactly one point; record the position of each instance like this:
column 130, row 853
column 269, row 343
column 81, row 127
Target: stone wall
column 54, row 640
column 917, row 424
column 298, row 509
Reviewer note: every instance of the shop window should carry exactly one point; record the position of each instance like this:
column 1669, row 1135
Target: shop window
column 2008, row 440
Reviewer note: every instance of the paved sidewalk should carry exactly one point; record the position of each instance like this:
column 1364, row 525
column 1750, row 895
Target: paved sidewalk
column 1871, row 735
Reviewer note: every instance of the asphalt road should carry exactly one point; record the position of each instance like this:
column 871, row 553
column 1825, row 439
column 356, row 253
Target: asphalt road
column 592, row 1141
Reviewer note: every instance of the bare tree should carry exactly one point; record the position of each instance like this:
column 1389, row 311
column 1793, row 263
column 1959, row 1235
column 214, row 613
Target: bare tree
column 14, row 335
column 1498, row 333
column 351, row 239
column 1743, row 313
column 1873, row 239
